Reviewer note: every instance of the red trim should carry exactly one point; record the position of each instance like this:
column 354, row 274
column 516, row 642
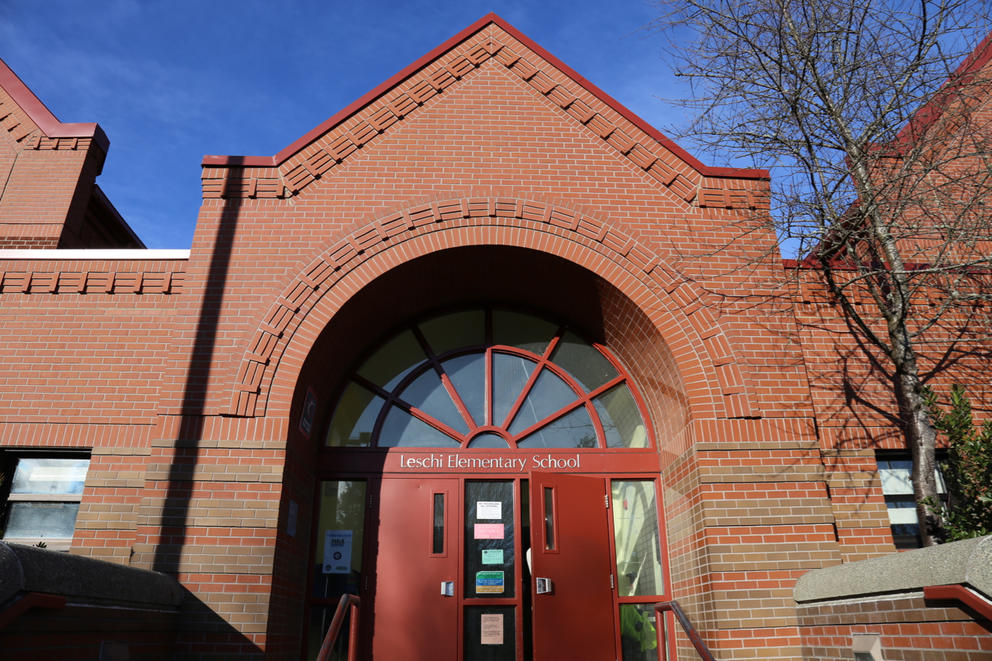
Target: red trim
column 965, row 595
column 42, row 116
column 491, row 18
column 29, row 601
column 923, row 118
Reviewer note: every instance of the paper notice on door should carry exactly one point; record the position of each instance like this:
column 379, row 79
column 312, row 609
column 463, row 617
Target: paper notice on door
column 489, row 582
column 492, row 629
column 337, row 552
column 489, row 509
column 488, row 531
column 492, row 556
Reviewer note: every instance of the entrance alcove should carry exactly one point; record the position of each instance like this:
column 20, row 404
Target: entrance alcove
column 493, row 277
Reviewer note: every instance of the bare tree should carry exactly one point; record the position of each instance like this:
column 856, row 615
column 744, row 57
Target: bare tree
column 881, row 152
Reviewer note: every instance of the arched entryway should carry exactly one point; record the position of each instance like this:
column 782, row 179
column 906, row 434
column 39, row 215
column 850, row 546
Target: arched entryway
column 488, row 483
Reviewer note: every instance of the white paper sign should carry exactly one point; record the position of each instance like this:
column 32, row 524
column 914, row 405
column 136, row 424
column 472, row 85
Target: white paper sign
column 489, row 509
column 492, row 629
column 337, row 551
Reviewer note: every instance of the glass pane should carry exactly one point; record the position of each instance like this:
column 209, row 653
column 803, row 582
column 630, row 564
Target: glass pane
column 621, row 420
column 522, row 330
column 635, row 523
column 572, row 430
column 583, row 361
column 437, row 545
column 50, row 476
column 468, row 376
column 390, row 364
column 489, row 559
column 488, row 440
column 549, row 518
column 510, row 374
column 638, row 635
column 549, row 394
column 42, row 520
column 490, row 633
column 340, row 534
column 403, row 430
column 354, row 417
column 428, row 394
column 455, row 331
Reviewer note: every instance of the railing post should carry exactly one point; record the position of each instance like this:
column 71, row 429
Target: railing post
column 690, row 631
column 353, row 632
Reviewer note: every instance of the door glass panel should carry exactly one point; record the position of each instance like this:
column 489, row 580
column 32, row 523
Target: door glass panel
column 403, row 430
column 489, row 548
column 490, row 633
column 354, row 417
column 583, row 361
column 572, row 430
column 638, row 635
column 549, row 518
column 340, row 534
column 635, row 524
column 428, row 394
column 468, row 376
column 522, row 331
column 387, row 366
column 437, row 544
column 510, row 374
column 454, row 331
column 621, row 419
column 549, row 394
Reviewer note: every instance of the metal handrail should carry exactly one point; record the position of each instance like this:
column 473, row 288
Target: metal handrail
column 348, row 604
column 683, row 619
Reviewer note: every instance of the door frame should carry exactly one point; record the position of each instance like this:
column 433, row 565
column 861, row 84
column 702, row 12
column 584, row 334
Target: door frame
column 375, row 465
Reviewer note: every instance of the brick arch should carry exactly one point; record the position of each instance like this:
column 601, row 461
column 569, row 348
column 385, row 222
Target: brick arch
column 288, row 331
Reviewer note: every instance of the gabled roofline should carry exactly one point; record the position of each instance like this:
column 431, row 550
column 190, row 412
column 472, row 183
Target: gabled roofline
column 43, row 118
column 491, row 18
column 930, row 112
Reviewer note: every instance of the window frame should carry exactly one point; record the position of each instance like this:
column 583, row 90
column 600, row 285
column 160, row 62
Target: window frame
column 10, row 458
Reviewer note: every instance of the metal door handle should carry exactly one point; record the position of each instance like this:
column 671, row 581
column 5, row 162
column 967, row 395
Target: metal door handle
column 544, row 585
column 447, row 588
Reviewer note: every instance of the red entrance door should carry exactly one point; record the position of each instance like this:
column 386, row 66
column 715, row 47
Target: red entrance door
column 450, row 570
column 573, row 595
column 416, row 553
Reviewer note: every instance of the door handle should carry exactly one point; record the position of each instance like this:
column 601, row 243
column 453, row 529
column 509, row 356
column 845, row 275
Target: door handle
column 544, row 585
column 447, row 588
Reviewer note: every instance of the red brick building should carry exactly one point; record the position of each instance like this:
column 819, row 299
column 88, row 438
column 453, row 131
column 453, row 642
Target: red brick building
column 480, row 327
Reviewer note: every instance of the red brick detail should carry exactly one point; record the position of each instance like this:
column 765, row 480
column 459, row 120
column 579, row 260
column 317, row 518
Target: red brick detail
column 338, row 143
column 20, row 277
column 272, row 336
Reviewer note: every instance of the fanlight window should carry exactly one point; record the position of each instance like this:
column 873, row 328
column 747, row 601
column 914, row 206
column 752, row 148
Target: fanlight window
column 488, row 378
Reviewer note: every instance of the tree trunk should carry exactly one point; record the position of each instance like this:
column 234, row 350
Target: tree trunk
column 921, row 437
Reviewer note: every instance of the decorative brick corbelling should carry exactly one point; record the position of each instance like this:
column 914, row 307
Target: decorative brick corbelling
column 560, row 226
column 361, row 129
column 21, row 278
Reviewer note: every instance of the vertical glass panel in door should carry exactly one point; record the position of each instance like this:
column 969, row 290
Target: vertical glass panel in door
column 638, row 633
column 489, row 548
column 635, row 525
column 338, row 560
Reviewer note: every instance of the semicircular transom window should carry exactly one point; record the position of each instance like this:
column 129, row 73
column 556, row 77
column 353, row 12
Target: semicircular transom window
column 488, row 378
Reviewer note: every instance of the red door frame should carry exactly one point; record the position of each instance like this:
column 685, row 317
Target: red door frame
column 357, row 464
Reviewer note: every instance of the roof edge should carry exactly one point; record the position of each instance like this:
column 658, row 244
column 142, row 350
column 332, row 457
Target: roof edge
column 39, row 113
column 419, row 63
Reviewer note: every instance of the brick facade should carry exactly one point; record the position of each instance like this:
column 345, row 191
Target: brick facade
column 487, row 170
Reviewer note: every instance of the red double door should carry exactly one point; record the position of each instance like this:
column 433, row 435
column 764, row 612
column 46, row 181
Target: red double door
column 493, row 570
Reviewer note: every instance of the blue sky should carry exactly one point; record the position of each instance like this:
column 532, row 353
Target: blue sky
column 172, row 81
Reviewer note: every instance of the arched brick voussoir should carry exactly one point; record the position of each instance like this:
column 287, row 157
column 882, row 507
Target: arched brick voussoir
column 284, row 337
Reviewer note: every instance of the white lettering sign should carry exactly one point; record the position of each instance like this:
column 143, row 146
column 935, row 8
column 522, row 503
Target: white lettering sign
column 512, row 463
